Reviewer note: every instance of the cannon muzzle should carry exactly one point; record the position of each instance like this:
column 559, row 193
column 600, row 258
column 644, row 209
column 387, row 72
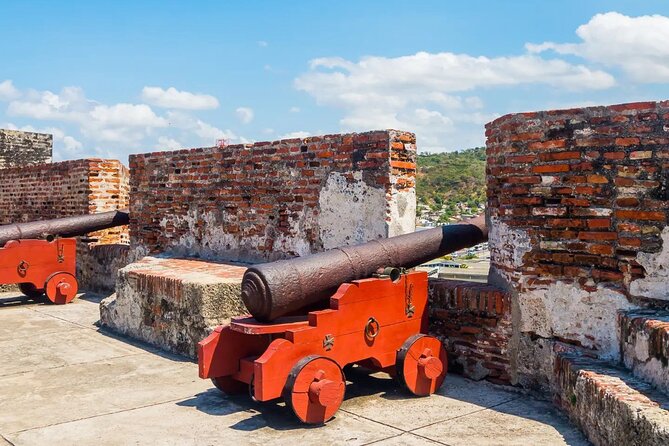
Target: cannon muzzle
column 63, row 227
column 272, row 290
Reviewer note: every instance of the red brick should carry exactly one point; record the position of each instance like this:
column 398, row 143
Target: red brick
column 629, row 241
column 614, row 155
column 520, row 159
column 546, row 168
column 597, row 235
column 600, row 249
column 599, row 223
column 557, row 156
column 627, row 202
column 524, row 180
column 597, row 179
column 624, row 142
column 553, row 144
column 641, row 215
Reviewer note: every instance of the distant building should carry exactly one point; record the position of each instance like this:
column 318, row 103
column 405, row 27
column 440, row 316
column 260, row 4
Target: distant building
column 19, row 149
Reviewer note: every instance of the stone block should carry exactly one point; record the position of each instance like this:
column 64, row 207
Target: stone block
column 645, row 345
column 173, row 303
column 611, row 406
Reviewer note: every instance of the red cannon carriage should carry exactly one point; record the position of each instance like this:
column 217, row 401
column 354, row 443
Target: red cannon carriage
column 377, row 318
column 33, row 256
column 377, row 323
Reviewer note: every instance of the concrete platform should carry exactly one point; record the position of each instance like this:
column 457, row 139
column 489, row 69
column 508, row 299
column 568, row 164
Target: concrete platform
column 64, row 381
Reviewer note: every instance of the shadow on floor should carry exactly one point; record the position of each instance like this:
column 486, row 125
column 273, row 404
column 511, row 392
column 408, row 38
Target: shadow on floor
column 142, row 345
column 16, row 299
column 364, row 383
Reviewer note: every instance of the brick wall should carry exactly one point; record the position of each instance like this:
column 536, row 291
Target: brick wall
column 24, row 148
column 474, row 322
column 65, row 189
column 70, row 188
column 272, row 200
column 578, row 201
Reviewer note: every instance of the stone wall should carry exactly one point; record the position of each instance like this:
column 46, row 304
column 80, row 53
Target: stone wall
column 65, row 189
column 577, row 202
column 24, row 148
column 474, row 322
column 272, row 200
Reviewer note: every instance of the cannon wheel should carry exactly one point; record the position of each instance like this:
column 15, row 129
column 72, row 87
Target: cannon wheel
column 315, row 389
column 61, row 288
column 229, row 385
column 31, row 291
column 421, row 364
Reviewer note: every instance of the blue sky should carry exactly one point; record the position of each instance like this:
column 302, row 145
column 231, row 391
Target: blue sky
column 114, row 78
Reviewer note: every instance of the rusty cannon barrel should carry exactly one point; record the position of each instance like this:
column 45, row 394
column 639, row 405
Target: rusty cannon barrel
column 275, row 289
column 63, row 227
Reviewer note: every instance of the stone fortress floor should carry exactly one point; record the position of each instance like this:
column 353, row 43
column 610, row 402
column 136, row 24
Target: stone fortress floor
column 63, row 381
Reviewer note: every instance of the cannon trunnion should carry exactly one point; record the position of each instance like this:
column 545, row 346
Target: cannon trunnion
column 377, row 323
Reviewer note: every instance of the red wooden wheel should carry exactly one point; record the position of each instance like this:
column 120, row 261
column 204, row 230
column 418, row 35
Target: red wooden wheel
column 315, row 389
column 31, row 291
column 229, row 385
column 421, row 364
column 61, row 288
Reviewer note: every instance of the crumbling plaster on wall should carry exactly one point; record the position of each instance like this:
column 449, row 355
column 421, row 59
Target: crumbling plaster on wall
column 637, row 357
column 655, row 283
column 401, row 212
column 207, row 238
column 507, row 247
column 350, row 212
column 568, row 312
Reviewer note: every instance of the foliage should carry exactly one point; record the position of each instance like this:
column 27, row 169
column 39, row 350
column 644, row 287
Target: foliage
column 446, row 179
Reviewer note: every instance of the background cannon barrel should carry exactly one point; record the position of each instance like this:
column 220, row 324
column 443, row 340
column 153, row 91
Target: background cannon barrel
column 272, row 290
column 63, row 227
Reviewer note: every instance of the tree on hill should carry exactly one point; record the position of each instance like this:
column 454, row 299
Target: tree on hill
column 446, row 179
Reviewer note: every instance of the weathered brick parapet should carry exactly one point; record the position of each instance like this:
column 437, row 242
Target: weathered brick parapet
column 577, row 202
column 589, row 190
column 64, row 189
column 474, row 321
column 70, row 188
column 645, row 345
column 272, row 200
column 18, row 148
column 611, row 406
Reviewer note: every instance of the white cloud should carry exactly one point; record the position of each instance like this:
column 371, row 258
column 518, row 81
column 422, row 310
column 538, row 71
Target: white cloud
column 292, row 135
column 173, row 98
column 263, row 44
column 165, row 143
column 8, row 91
column 638, row 45
column 427, row 92
column 121, row 123
column 207, row 133
column 244, row 114
column 294, row 109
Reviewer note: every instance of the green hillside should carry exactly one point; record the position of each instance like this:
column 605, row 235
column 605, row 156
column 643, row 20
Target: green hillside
column 451, row 183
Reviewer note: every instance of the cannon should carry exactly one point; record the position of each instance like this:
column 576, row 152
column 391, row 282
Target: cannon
column 40, row 256
column 312, row 316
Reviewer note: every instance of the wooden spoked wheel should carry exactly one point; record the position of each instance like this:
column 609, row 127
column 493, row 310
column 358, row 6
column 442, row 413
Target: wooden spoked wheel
column 421, row 364
column 61, row 288
column 31, row 291
column 315, row 389
column 230, row 386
